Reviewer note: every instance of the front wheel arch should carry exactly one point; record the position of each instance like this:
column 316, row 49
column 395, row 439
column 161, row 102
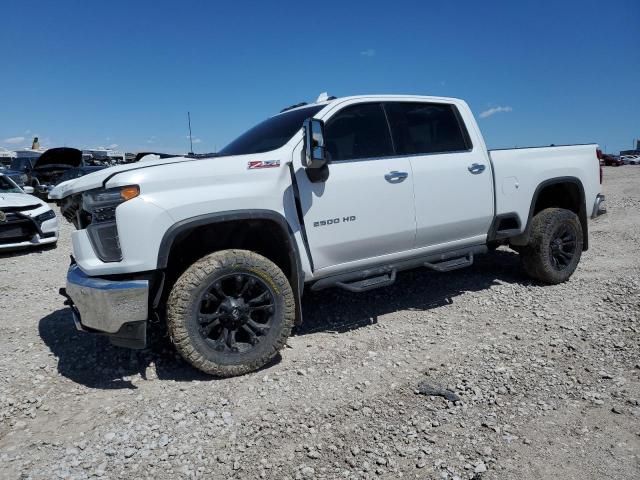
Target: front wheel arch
column 232, row 229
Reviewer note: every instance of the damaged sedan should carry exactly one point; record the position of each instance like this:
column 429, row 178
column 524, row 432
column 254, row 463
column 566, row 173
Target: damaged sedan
column 25, row 221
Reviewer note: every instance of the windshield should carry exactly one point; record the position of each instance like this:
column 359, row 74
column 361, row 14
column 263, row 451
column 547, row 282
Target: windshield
column 7, row 186
column 270, row 134
column 21, row 164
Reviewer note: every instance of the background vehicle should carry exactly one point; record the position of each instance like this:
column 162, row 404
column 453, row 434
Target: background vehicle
column 612, row 160
column 25, row 221
column 630, row 159
column 18, row 177
column 50, row 166
column 342, row 193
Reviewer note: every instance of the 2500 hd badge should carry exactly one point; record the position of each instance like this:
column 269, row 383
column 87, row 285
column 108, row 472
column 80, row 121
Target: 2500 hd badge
column 333, row 221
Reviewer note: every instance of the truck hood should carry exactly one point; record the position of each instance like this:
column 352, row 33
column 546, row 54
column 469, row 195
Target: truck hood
column 19, row 200
column 97, row 179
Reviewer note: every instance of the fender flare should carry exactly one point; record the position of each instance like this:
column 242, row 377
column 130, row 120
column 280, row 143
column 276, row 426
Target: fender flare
column 238, row 215
column 582, row 213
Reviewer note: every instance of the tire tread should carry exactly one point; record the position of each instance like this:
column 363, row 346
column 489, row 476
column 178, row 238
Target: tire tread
column 181, row 297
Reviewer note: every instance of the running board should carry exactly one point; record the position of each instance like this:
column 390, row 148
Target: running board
column 453, row 264
column 385, row 274
column 369, row 283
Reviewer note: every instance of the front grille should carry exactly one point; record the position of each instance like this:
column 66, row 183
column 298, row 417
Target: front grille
column 16, row 230
column 24, row 208
column 71, row 209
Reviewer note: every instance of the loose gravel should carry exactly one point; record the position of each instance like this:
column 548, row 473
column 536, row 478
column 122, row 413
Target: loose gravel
column 547, row 377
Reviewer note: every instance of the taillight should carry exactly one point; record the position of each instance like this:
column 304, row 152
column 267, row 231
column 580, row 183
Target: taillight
column 599, row 157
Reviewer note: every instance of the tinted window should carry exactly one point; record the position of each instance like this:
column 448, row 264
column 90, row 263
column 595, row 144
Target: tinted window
column 20, row 164
column 426, row 128
column 359, row 131
column 271, row 134
column 7, row 186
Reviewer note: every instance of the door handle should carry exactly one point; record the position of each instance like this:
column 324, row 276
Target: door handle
column 476, row 168
column 395, row 176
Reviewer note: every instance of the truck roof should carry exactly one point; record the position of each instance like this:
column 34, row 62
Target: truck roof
column 331, row 100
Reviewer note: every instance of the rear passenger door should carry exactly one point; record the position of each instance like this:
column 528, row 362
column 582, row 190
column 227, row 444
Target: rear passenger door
column 452, row 178
column 365, row 208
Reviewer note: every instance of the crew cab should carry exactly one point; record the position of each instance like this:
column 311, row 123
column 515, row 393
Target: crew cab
column 345, row 192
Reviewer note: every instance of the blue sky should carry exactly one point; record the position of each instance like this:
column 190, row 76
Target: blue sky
column 125, row 73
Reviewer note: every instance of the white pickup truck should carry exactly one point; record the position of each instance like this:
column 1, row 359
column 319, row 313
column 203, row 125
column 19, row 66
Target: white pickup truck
column 344, row 192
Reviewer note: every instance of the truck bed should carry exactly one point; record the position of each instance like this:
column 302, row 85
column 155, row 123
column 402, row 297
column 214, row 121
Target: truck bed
column 519, row 172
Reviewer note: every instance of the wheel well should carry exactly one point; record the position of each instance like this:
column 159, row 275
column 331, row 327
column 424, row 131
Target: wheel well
column 560, row 195
column 566, row 193
column 264, row 237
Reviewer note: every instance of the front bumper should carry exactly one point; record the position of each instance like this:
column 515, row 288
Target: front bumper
column 35, row 234
column 34, row 241
column 599, row 207
column 117, row 308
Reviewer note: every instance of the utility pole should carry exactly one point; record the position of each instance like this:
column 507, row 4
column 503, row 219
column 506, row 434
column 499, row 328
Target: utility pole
column 190, row 138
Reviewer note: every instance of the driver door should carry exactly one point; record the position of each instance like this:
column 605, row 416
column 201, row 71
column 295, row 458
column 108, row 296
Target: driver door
column 365, row 208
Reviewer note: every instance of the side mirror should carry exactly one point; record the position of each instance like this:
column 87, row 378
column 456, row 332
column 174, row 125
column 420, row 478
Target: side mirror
column 28, row 190
column 314, row 149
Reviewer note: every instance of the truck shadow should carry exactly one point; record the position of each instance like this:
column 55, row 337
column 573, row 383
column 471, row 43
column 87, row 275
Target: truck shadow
column 420, row 289
column 92, row 361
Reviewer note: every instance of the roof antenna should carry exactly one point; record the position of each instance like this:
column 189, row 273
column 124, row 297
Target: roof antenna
column 190, row 138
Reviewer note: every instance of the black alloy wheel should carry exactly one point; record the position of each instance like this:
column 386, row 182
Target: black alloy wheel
column 236, row 312
column 562, row 247
column 231, row 312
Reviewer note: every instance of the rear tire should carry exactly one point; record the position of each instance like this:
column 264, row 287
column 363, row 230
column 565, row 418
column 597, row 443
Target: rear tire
column 555, row 246
column 230, row 312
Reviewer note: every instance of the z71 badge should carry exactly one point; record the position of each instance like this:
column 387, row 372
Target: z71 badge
column 334, row 221
column 263, row 164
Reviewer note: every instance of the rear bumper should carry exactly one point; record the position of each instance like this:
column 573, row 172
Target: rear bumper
column 599, row 207
column 119, row 308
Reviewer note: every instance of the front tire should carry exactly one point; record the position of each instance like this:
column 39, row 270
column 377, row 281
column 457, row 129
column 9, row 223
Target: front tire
column 555, row 246
column 230, row 312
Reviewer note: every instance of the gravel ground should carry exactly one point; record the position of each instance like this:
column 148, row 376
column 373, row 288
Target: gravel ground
column 548, row 379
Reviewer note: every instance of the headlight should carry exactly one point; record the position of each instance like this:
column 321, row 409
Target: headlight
column 43, row 217
column 101, row 204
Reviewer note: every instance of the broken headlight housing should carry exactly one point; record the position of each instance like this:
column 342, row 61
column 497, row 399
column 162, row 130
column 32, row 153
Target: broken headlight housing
column 43, row 217
column 101, row 204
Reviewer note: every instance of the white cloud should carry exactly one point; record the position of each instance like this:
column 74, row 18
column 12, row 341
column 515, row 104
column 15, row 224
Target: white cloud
column 494, row 110
column 197, row 140
column 369, row 52
column 13, row 140
column 113, row 145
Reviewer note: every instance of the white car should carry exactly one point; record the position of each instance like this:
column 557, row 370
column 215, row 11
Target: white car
column 25, row 221
column 631, row 159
